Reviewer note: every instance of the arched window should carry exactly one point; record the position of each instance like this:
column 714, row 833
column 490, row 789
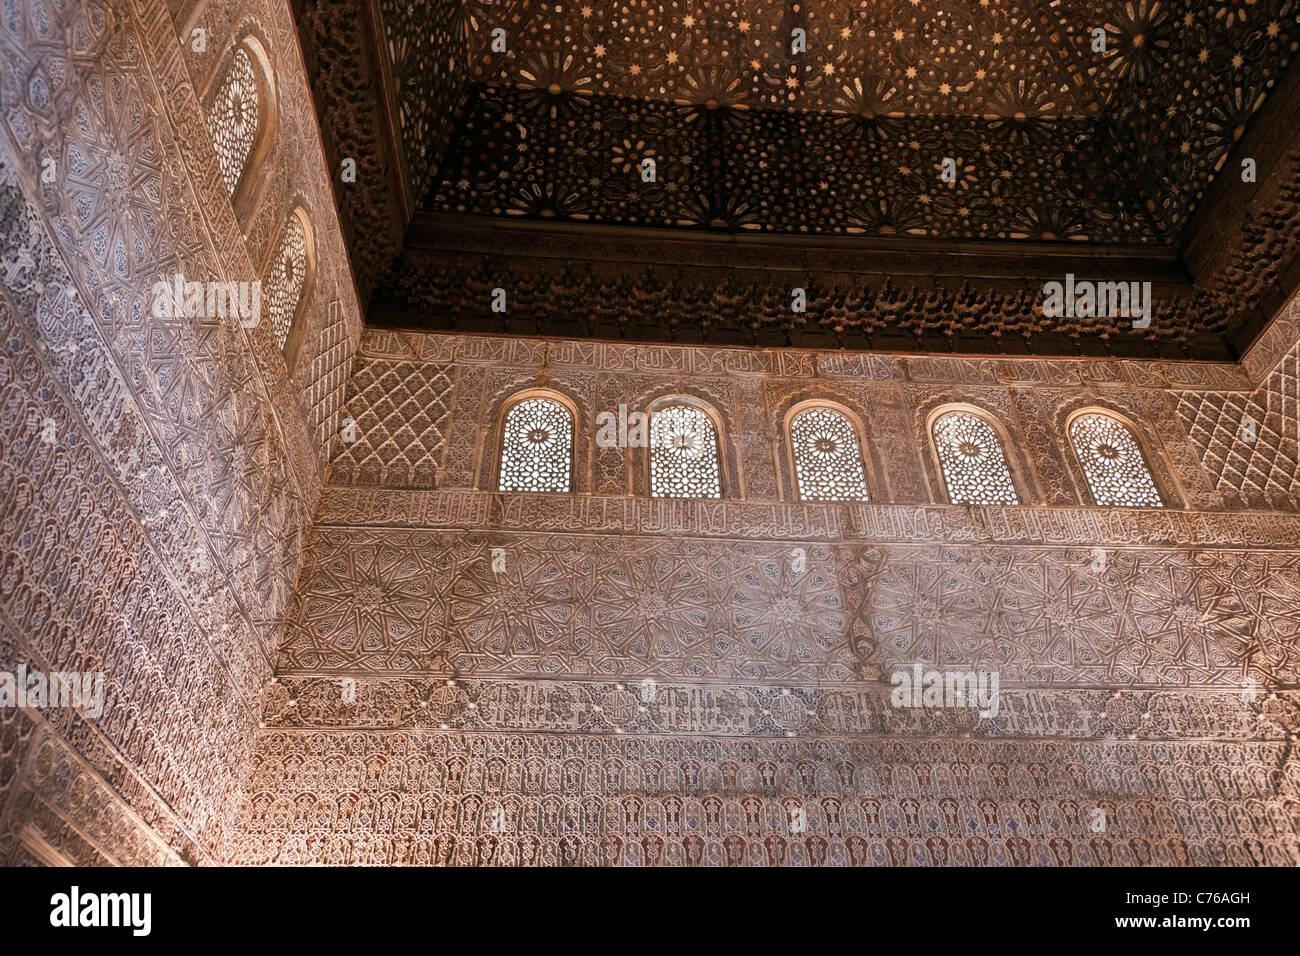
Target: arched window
column 827, row 458
column 537, row 446
column 684, row 454
column 1112, row 462
column 240, row 115
column 974, row 465
column 289, row 275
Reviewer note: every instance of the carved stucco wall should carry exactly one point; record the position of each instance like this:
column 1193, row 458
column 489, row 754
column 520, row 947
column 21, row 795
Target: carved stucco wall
column 1265, row 472
column 159, row 538
column 156, row 534
column 428, row 709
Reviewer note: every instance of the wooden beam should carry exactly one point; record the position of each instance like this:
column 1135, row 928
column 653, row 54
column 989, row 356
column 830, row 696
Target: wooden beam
column 865, row 255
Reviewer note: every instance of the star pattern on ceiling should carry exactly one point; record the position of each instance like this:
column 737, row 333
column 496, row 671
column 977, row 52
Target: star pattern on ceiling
column 1054, row 138
column 857, row 56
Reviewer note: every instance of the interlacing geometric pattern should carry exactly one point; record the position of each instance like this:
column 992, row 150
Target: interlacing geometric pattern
column 1113, row 464
column 683, row 454
column 546, row 799
column 974, row 466
column 667, row 681
column 1186, row 81
column 827, row 459
column 862, row 59
column 402, row 415
column 581, row 157
column 286, row 278
column 537, row 447
column 171, row 545
column 1262, row 472
column 233, row 120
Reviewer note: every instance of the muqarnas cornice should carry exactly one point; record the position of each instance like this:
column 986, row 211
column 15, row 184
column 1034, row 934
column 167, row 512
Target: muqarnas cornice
column 648, row 285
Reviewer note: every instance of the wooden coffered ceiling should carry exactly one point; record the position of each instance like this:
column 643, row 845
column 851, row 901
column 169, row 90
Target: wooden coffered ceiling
column 520, row 169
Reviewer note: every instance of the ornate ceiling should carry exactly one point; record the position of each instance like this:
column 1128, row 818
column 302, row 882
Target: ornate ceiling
column 861, row 58
column 479, row 165
column 529, row 153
